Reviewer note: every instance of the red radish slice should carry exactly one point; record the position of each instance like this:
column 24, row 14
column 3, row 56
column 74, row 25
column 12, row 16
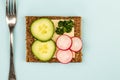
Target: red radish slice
column 64, row 42
column 64, row 56
column 76, row 44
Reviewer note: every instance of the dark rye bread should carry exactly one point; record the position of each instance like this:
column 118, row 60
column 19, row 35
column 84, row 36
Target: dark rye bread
column 29, row 38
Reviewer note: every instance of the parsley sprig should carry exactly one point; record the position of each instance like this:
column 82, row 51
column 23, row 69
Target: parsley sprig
column 64, row 26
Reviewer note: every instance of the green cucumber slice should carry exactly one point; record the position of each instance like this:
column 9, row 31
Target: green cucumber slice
column 42, row 29
column 44, row 51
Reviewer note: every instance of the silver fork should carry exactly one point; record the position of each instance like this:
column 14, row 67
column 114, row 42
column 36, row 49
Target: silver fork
column 11, row 19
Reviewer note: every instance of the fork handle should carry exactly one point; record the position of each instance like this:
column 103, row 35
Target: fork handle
column 12, row 75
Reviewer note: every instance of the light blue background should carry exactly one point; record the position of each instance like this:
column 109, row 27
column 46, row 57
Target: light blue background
column 100, row 34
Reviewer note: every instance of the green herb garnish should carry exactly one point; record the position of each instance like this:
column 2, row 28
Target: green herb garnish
column 64, row 26
column 60, row 23
column 68, row 29
column 60, row 30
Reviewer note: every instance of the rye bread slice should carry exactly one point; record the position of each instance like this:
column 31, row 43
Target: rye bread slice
column 29, row 38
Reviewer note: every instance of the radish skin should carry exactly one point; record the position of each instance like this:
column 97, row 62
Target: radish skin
column 64, row 56
column 64, row 42
column 76, row 44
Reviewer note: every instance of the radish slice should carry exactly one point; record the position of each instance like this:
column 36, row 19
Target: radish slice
column 76, row 44
column 64, row 42
column 64, row 56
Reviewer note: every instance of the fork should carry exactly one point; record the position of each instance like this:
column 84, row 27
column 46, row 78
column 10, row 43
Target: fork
column 11, row 19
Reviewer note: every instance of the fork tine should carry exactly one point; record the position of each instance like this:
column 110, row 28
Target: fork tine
column 7, row 7
column 14, row 7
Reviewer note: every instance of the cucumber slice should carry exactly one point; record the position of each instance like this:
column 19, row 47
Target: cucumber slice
column 43, row 50
column 42, row 29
